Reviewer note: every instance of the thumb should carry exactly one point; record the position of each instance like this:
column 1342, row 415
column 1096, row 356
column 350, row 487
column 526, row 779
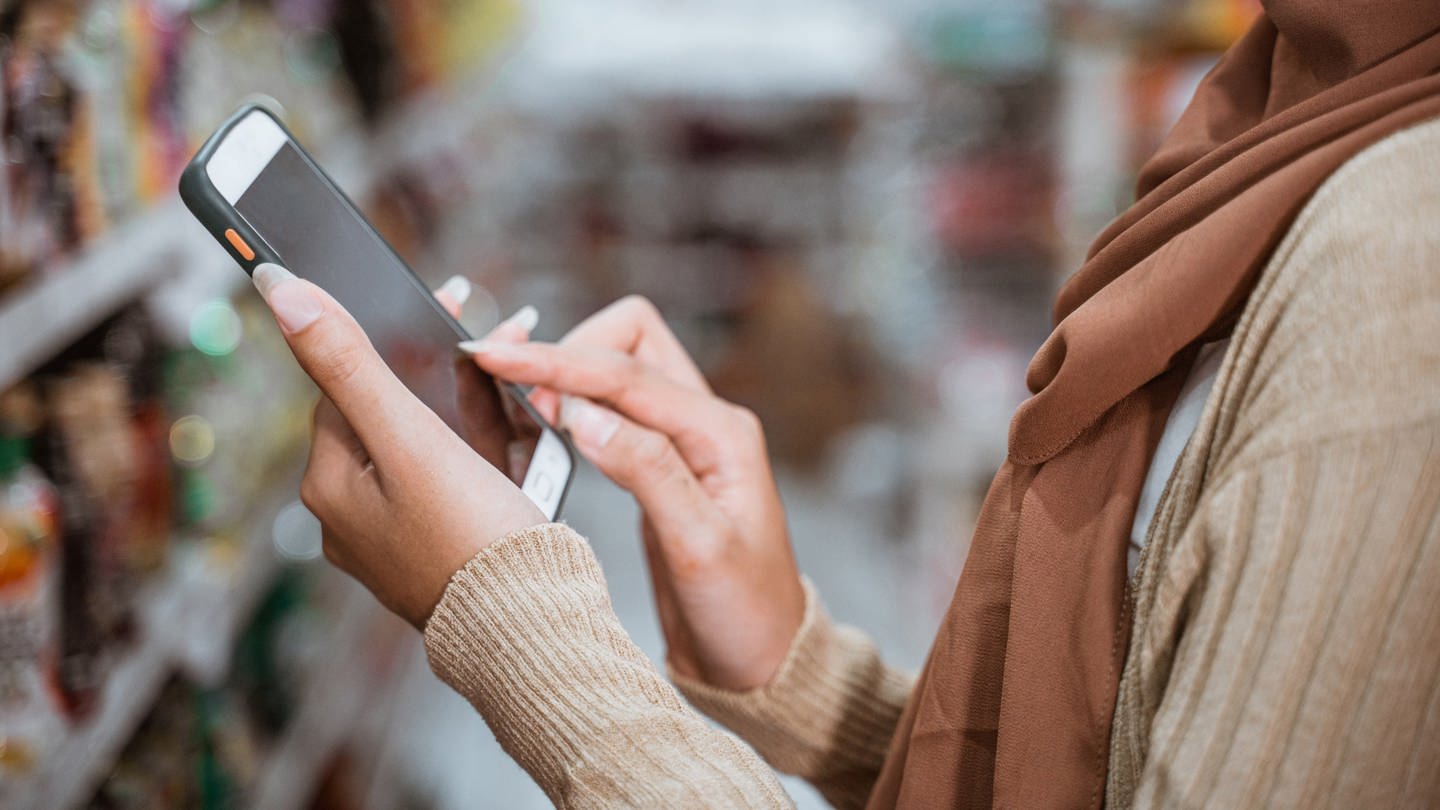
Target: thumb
column 333, row 349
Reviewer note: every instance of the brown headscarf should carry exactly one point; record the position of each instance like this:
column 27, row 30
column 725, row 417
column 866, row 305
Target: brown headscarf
column 1015, row 704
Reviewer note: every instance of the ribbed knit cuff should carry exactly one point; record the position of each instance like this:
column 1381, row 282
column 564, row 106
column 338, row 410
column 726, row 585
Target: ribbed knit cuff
column 827, row 715
column 526, row 632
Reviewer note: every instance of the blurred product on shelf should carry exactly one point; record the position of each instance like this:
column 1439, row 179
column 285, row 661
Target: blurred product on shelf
column 48, row 199
column 159, row 768
column 30, row 711
column 279, row 647
column 107, row 424
column 94, row 473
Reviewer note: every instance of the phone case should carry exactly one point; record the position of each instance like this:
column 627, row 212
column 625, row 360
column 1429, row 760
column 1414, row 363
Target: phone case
column 206, row 204
column 218, row 216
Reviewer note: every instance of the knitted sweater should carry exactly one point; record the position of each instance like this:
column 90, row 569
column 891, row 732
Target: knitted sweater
column 1286, row 648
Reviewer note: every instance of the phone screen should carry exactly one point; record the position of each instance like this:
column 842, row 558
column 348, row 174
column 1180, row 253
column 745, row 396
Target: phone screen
column 320, row 238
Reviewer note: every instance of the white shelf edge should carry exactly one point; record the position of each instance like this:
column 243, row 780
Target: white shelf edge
column 38, row 321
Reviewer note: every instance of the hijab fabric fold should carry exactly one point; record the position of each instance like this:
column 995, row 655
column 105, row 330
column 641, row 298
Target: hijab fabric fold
column 1015, row 703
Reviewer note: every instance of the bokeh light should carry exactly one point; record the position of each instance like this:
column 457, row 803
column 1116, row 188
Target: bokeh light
column 215, row 328
column 192, row 440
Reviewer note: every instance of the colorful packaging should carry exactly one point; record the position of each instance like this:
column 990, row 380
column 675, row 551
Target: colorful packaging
column 51, row 202
column 31, row 723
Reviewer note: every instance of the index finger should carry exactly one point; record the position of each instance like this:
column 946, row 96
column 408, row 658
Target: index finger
column 634, row 326
column 692, row 419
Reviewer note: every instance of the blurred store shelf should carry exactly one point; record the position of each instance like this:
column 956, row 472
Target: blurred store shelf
column 76, row 769
column 189, row 619
column 39, row 321
column 222, row 594
column 577, row 59
column 330, row 708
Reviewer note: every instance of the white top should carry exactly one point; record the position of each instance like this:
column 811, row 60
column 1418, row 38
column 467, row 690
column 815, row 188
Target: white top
column 1178, row 428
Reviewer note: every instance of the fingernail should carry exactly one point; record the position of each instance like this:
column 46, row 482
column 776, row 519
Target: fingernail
column 295, row 305
column 490, row 348
column 267, row 275
column 590, row 425
column 526, row 318
column 457, row 287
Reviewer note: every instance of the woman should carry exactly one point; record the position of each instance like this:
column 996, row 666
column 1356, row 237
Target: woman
column 1244, row 382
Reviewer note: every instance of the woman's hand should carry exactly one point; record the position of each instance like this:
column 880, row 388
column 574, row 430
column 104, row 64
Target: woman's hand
column 403, row 501
column 725, row 580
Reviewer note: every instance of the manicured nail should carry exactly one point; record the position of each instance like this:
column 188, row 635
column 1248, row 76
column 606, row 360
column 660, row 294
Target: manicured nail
column 295, row 305
column 267, row 275
column 458, row 288
column 590, row 425
column 490, row 348
column 526, row 318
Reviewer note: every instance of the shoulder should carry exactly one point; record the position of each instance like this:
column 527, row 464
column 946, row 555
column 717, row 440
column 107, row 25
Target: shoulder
column 1342, row 334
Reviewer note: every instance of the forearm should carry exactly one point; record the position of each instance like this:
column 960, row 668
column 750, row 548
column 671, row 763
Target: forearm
column 828, row 714
column 527, row 634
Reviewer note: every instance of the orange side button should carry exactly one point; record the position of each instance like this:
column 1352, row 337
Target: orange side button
column 239, row 244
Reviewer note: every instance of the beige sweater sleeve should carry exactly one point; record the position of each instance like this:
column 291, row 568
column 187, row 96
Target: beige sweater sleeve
column 525, row 631
column 827, row 716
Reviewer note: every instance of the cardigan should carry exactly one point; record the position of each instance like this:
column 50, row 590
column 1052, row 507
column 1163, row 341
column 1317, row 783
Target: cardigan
column 1286, row 640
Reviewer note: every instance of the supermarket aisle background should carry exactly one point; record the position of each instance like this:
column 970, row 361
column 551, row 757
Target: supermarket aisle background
column 854, row 215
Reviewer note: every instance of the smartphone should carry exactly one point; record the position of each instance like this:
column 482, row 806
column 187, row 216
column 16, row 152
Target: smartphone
column 264, row 199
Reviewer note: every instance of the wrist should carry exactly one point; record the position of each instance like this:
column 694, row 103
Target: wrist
column 754, row 663
column 768, row 666
column 448, row 557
